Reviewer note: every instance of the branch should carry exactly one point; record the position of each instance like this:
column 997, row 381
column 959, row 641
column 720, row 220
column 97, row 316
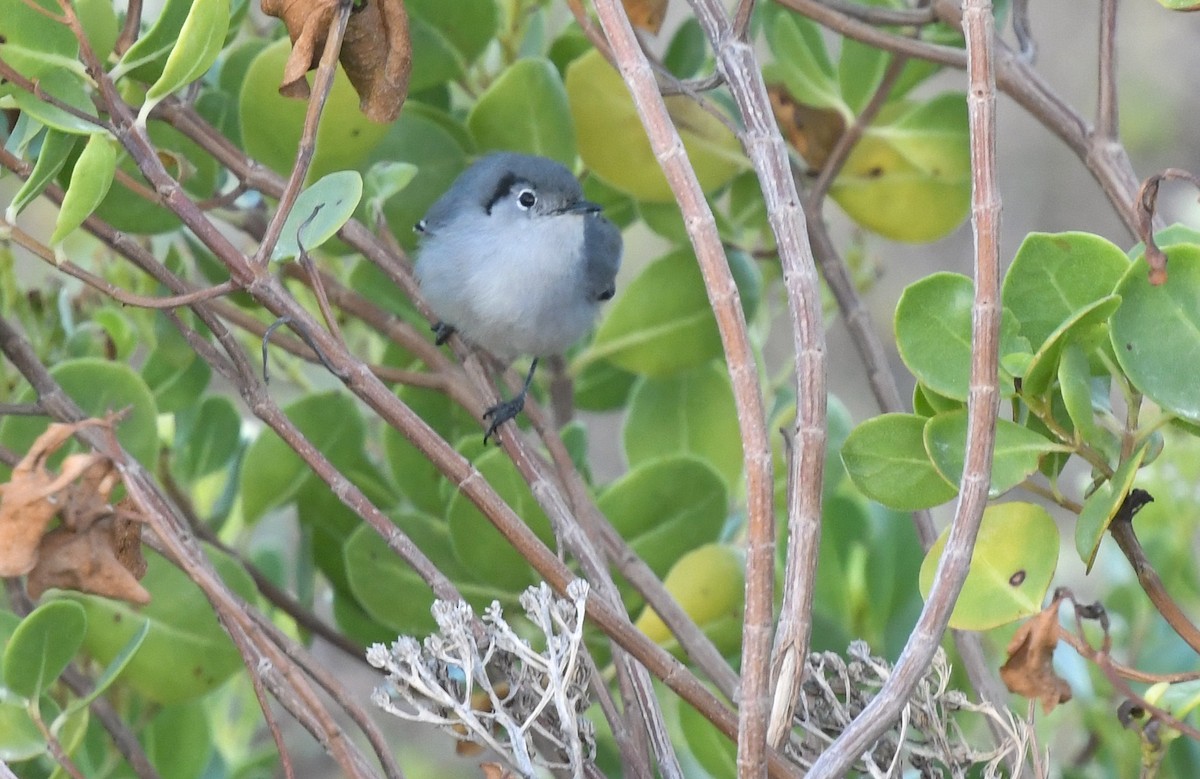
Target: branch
column 983, row 405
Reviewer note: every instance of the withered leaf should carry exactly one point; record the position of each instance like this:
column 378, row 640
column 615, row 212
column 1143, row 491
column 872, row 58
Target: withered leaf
column 1029, row 670
column 812, row 131
column 92, row 561
column 496, row 771
column 31, row 498
column 646, row 14
column 376, row 53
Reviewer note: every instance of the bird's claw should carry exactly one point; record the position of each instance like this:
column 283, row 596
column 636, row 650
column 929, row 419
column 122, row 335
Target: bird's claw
column 502, row 412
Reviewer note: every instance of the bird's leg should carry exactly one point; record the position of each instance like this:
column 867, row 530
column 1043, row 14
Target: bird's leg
column 508, row 409
column 442, row 332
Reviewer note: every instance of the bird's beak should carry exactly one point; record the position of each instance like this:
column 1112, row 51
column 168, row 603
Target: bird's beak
column 581, row 207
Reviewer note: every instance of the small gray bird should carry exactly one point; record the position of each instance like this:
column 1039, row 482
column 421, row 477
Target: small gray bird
column 514, row 259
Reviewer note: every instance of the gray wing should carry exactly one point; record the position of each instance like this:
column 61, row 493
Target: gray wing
column 604, row 247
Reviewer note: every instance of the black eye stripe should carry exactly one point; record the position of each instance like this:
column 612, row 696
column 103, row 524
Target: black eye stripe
column 503, row 187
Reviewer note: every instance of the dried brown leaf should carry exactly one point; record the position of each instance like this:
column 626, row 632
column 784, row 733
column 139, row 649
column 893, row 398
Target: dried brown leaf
column 812, row 131
column 1029, row 670
column 646, row 14
column 96, row 560
column 376, row 53
column 496, row 771
column 31, row 498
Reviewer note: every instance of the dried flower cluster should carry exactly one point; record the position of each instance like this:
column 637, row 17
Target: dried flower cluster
column 486, row 684
column 927, row 737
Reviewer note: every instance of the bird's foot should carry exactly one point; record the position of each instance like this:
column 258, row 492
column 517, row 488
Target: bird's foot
column 442, row 332
column 503, row 412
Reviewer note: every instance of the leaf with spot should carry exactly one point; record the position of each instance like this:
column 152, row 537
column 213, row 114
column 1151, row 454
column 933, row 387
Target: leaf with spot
column 1012, row 566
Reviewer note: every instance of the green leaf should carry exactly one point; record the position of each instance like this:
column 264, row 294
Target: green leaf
column 484, row 553
column 416, row 477
column 90, row 181
column 802, row 62
column 1156, row 332
column 42, row 646
column 1055, row 275
column 145, row 58
column 194, row 168
column 34, row 43
column 447, row 38
column 909, row 177
column 1080, row 327
column 860, row 71
column 1012, row 566
column 1102, row 505
column 1166, row 237
column 206, row 438
column 113, row 669
column 714, row 752
column 525, row 110
column 886, row 459
column 665, row 508
column 384, row 180
column 56, row 147
column 174, row 372
column 689, row 413
column 20, row 737
column 65, row 87
column 389, row 590
column 661, row 324
column 1017, row 452
column 99, row 21
column 614, row 146
column 178, row 741
column 602, row 386
column 272, row 124
column 319, row 212
column 933, row 334
column 1075, row 386
column 273, row 474
column 688, row 49
column 186, row 653
column 196, row 48
column 98, row 387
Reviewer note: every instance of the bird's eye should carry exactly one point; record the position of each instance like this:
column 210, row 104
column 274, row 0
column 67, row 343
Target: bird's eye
column 526, row 198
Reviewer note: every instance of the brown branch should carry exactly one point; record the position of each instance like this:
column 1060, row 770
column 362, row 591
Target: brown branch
column 1121, row 528
column 723, row 296
column 983, row 405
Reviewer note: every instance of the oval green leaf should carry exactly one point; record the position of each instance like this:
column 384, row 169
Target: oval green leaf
column 41, row 647
column 690, row 413
column 484, row 553
column 665, row 508
column 272, row 124
column 1018, row 450
column 1055, row 275
column 526, row 110
column 56, row 147
column 196, row 48
column 186, row 652
column 1012, row 566
column 886, row 459
column 319, row 212
column 98, row 387
column 1156, row 331
column 614, row 146
column 661, row 324
column 933, row 334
